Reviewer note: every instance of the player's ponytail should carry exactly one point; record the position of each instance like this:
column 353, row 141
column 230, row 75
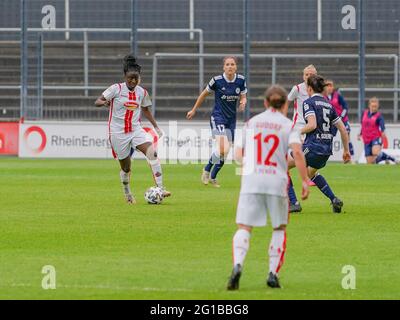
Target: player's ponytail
column 317, row 83
column 130, row 64
column 276, row 96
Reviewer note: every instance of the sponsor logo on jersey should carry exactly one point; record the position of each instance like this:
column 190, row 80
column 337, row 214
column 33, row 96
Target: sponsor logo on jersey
column 131, row 105
column 229, row 98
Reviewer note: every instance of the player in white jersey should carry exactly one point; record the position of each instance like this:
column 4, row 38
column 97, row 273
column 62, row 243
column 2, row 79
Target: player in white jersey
column 298, row 95
column 263, row 151
column 127, row 101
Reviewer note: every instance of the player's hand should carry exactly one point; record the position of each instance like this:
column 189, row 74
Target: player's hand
column 346, row 157
column 160, row 133
column 242, row 106
column 305, row 191
column 190, row 114
column 106, row 104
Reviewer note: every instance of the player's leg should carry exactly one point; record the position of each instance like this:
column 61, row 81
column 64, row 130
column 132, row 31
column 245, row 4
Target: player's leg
column 294, row 204
column 152, row 158
column 351, row 148
column 121, row 146
column 223, row 147
column 205, row 176
column 324, row 187
column 368, row 153
column 251, row 212
column 279, row 216
column 125, row 175
column 379, row 154
column 240, row 247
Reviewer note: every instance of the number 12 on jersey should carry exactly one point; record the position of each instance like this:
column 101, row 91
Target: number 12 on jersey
column 275, row 143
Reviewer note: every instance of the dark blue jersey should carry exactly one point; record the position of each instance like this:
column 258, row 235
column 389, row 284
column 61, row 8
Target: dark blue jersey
column 227, row 95
column 319, row 141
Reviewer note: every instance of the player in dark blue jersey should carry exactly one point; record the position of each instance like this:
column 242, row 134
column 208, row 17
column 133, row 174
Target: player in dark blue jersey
column 230, row 90
column 321, row 121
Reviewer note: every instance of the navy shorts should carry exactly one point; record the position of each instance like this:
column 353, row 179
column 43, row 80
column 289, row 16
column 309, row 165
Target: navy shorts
column 220, row 127
column 315, row 161
column 368, row 147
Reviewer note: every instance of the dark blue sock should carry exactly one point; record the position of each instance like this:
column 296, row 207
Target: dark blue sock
column 291, row 192
column 321, row 183
column 351, row 149
column 213, row 160
column 383, row 157
column 216, row 168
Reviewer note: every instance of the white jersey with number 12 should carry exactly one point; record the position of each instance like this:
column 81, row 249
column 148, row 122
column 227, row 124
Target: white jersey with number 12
column 266, row 139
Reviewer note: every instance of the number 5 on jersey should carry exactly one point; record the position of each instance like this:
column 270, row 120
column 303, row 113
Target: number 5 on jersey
column 271, row 150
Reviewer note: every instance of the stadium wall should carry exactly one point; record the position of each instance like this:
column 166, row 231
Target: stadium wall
column 9, row 137
column 183, row 142
column 272, row 20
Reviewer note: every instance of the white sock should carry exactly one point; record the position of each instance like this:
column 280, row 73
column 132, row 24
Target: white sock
column 241, row 243
column 157, row 172
column 277, row 249
column 125, row 180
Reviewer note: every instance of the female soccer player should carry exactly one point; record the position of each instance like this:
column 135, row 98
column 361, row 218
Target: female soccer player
column 266, row 141
column 372, row 133
column 126, row 101
column 321, row 118
column 298, row 95
column 229, row 88
column 341, row 107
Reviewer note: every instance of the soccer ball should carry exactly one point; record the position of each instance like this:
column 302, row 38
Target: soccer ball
column 154, row 195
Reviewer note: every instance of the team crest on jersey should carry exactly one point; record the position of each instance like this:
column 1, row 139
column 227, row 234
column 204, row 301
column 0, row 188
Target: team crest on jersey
column 237, row 90
column 131, row 105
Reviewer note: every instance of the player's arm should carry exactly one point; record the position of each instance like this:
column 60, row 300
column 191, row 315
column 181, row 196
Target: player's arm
column 239, row 151
column 105, row 98
column 198, row 103
column 147, row 114
column 344, row 105
column 243, row 96
column 300, row 162
column 345, row 139
column 309, row 116
column 102, row 102
column 242, row 102
column 310, row 126
column 381, row 123
column 145, row 108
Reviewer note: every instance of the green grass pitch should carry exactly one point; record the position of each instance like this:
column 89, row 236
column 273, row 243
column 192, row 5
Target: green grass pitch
column 70, row 214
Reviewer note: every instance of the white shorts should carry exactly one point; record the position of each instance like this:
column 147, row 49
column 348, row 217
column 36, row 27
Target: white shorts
column 122, row 143
column 252, row 210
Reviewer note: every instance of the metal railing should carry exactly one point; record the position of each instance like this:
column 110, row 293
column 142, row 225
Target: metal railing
column 85, row 32
column 274, row 57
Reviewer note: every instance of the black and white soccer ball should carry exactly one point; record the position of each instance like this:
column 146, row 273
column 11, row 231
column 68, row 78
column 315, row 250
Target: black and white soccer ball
column 154, row 195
